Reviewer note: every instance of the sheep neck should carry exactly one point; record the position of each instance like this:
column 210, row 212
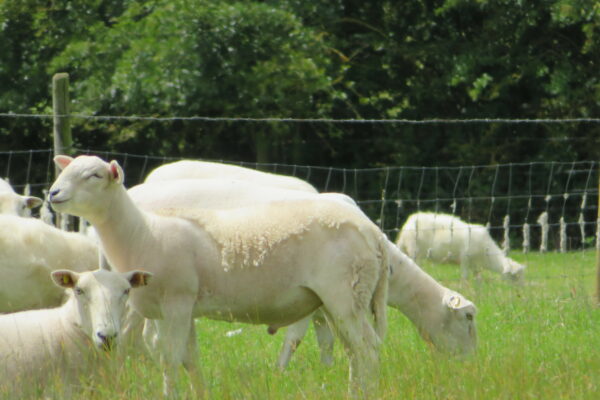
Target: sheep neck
column 412, row 290
column 122, row 230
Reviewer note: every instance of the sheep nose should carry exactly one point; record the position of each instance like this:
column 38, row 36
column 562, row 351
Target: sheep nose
column 53, row 193
column 108, row 341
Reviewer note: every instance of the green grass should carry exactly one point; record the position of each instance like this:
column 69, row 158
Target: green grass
column 536, row 341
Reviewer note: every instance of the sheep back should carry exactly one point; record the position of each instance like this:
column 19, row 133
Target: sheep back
column 247, row 235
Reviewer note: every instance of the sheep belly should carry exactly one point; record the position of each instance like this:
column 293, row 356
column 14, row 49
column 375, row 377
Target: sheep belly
column 278, row 310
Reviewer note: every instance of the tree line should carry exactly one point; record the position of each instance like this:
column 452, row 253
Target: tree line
column 333, row 59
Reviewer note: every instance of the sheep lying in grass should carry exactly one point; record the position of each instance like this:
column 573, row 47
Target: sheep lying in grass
column 189, row 169
column 270, row 264
column 29, row 251
column 446, row 238
column 442, row 316
column 58, row 342
column 12, row 203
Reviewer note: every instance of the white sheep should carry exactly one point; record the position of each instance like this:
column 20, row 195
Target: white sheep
column 216, row 194
column 57, row 342
column 446, row 238
column 442, row 316
column 269, row 264
column 191, row 169
column 12, row 203
column 411, row 290
column 29, row 251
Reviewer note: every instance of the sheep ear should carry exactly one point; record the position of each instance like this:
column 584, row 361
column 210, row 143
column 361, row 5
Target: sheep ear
column 452, row 301
column 33, row 202
column 116, row 172
column 65, row 278
column 62, row 161
column 138, row 278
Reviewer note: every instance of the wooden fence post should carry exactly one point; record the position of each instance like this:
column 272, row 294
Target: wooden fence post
column 62, row 129
column 598, row 244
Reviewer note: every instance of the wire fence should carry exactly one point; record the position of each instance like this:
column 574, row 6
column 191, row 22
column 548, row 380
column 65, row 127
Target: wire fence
column 402, row 121
column 530, row 206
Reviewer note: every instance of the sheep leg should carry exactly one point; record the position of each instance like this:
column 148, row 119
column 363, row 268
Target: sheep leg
column 293, row 337
column 347, row 310
column 172, row 339
column 325, row 337
column 362, row 346
column 190, row 361
column 464, row 269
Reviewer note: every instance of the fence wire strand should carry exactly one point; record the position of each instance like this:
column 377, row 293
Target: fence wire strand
column 402, row 121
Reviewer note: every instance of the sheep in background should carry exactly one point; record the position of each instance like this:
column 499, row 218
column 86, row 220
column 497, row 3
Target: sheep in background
column 442, row 316
column 57, row 342
column 29, row 251
column 12, row 203
column 447, row 239
column 191, row 169
column 272, row 264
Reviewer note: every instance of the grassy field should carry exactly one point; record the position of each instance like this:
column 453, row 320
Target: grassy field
column 536, row 341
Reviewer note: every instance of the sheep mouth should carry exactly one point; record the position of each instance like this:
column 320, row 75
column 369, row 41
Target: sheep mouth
column 106, row 346
column 57, row 201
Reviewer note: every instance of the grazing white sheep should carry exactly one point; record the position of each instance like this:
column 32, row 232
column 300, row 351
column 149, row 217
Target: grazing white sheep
column 446, row 238
column 59, row 342
column 29, row 250
column 443, row 317
column 12, row 203
column 186, row 169
column 269, row 264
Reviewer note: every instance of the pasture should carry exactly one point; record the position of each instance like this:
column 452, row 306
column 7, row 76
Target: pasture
column 536, row 341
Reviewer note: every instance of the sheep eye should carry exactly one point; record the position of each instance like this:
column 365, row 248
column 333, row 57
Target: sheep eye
column 95, row 175
column 469, row 316
column 126, row 292
column 78, row 291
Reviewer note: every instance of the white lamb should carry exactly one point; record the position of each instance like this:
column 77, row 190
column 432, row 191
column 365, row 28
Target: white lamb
column 442, row 316
column 270, row 264
column 57, row 342
column 12, row 203
column 189, row 169
column 29, row 251
column 446, row 238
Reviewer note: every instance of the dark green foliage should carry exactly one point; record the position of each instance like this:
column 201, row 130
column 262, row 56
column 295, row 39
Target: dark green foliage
column 320, row 59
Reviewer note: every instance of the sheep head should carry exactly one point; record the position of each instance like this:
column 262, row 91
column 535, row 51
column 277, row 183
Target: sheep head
column 100, row 298
column 85, row 186
column 459, row 333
